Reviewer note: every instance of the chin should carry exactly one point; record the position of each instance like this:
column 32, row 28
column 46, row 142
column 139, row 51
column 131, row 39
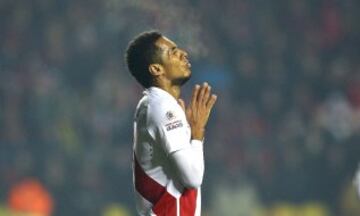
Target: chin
column 187, row 74
column 182, row 80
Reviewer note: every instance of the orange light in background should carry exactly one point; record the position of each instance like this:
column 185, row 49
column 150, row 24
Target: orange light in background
column 30, row 196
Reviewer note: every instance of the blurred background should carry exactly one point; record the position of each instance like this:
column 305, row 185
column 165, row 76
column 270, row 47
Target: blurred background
column 284, row 137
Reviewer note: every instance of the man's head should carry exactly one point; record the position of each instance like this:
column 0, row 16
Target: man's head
column 155, row 60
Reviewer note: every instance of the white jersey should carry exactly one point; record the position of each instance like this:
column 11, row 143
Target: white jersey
column 161, row 134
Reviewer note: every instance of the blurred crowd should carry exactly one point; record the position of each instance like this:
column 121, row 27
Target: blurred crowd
column 284, row 137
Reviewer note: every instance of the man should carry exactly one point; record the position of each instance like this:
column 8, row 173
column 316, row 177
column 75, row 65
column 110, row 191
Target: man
column 168, row 162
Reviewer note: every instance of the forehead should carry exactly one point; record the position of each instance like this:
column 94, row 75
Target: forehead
column 165, row 43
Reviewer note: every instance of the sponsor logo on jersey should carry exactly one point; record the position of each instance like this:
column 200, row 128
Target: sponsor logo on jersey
column 174, row 125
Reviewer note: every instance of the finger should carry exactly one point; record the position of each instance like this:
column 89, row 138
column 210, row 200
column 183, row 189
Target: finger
column 202, row 92
column 195, row 94
column 207, row 95
column 211, row 101
column 181, row 103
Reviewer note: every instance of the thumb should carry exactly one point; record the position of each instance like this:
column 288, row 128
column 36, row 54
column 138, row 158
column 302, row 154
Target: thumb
column 181, row 103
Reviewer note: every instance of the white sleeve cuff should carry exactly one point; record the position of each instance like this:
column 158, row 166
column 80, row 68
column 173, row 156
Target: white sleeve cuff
column 195, row 142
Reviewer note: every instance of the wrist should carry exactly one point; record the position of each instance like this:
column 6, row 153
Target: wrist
column 198, row 134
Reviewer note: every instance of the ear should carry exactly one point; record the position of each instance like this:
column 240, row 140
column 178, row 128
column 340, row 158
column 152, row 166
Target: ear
column 156, row 69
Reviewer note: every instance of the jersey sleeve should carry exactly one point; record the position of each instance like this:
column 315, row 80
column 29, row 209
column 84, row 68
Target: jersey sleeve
column 190, row 164
column 167, row 124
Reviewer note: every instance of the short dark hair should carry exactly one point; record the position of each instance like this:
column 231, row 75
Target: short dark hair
column 142, row 52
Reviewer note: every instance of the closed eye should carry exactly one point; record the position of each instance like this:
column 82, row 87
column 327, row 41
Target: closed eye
column 173, row 49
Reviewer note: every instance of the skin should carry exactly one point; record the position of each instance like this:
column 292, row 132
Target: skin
column 173, row 71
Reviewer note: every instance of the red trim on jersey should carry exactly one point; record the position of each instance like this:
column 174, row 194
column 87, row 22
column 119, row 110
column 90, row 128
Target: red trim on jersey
column 146, row 186
column 188, row 202
column 164, row 204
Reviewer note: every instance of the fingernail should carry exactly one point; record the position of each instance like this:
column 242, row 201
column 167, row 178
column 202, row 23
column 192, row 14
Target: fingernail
column 205, row 84
column 197, row 86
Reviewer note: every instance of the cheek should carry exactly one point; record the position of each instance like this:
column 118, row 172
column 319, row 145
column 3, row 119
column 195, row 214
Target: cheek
column 175, row 69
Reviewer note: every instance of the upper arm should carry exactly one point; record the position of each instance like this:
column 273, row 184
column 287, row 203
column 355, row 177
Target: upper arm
column 168, row 126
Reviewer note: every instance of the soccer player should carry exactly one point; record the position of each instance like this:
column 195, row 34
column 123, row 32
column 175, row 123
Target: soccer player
column 168, row 162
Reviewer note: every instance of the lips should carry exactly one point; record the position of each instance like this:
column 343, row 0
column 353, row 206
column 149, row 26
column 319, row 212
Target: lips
column 187, row 63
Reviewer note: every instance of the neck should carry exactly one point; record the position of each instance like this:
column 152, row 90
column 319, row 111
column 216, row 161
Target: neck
column 174, row 90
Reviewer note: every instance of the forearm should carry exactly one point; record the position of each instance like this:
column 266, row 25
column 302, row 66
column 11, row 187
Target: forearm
column 190, row 164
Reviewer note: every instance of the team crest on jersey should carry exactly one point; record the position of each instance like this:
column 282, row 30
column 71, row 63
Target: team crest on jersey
column 170, row 115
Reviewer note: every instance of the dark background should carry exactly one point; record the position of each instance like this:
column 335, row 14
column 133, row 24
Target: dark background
column 283, row 139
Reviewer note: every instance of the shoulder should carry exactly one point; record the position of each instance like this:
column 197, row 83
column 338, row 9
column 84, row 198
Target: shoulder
column 162, row 110
column 141, row 107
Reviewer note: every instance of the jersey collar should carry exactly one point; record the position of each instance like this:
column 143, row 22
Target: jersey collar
column 159, row 91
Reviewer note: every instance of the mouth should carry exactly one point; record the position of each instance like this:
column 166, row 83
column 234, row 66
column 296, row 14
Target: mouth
column 187, row 63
